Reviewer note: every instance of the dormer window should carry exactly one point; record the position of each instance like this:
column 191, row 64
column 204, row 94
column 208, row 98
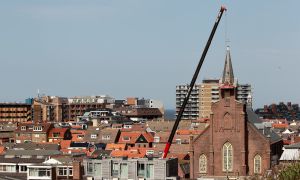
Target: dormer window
column 178, row 141
column 156, row 139
column 106, row 137
column 23, row 128
column 93, row 136
column 126, row 138
column 37, row 128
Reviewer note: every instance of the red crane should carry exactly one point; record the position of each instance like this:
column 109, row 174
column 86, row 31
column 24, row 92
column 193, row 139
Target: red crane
column 223, row 8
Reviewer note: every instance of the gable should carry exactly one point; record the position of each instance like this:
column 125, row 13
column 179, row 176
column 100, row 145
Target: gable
column 141, row 139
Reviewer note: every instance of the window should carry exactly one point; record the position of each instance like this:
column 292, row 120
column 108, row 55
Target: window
column 124, row 171
column 36, row 135
column 93, row 136
column 141, row 170
column 126, row 138
column 145, row 170
column 80, row 136
column 56, row 134
column 39, row 172
column 70, row 171
column 148, row 152
column 23, row 128
column 156, row 139
column 115, row 169
column 62, row 171
column 257, row 164
column 89, row 168
column 106, row 137
column 37, row 128
column 227, row 157
column 23, row 168
column 7, row 168
column 65, row 171
column 97, row 169
column 202, row 164
column 178, row 141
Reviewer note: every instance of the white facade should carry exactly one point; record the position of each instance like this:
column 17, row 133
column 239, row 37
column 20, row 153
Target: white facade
column 92, row 99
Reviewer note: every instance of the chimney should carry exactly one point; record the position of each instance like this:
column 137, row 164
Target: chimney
column 77, row 175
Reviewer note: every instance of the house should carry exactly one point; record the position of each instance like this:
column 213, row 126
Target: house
column 108, row 135
column 7, row 132
column 79, row 148
column 58, row 134
column 92, row 135
column 136, row 139
column 32, row 132
column 16, row 168
column 78, row 135
column 141, row 168
column 56, row 168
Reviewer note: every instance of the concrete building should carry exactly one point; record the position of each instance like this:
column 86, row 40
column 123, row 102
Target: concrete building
column 15, row 112
column 50, row 109
column 141, row 168
column 79, row 105
column 209, row 93
column 192, row 108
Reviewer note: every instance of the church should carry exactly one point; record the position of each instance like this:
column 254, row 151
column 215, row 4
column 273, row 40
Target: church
column 236, row 143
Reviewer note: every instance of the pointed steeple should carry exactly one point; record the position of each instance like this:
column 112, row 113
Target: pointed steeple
column 228, row 77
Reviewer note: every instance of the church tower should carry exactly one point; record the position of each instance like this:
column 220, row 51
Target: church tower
column 228, row 76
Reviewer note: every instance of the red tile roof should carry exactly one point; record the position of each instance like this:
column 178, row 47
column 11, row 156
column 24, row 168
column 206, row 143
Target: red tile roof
column 61, row 132
column 280, row 126
column 133, row 137
column 113, row 146
column 77, row 135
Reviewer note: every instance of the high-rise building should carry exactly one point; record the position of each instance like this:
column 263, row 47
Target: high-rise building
column 192, row 108
column 209, row 92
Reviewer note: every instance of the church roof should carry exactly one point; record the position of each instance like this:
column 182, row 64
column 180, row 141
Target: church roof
column 228, row 77
column 267, row 132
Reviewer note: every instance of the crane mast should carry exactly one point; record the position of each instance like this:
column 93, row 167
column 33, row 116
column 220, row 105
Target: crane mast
column 180, row 113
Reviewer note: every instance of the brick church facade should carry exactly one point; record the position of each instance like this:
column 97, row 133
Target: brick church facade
column 236, row 143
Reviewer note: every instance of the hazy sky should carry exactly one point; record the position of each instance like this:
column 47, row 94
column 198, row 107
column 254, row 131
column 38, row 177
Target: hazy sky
column 145, row 48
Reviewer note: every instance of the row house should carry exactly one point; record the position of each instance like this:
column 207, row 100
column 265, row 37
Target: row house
column 31, row 132
column 7, row 132
column 136, row 139
column 119, row 168
column 36, row 168
column 58, row 134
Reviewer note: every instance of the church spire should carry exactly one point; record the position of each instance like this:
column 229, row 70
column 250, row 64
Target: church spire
column 228, row 77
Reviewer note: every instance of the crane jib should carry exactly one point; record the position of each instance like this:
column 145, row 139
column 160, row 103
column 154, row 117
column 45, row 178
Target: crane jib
column 180, row 113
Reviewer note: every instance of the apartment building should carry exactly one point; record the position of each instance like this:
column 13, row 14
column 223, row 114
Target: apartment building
column 140, row 168
column 50, row 109
column 209, row 93
column 15, row 112
column 192, row 108
column 79, row 105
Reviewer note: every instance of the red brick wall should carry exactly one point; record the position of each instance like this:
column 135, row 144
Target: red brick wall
column 229, row 124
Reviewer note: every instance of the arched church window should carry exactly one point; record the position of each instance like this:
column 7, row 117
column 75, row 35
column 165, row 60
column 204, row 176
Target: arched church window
column 257, row 164
column 227, row 157
column 202, row 164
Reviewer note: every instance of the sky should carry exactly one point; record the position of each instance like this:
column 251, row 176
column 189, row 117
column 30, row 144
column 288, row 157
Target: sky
column 138, row 48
